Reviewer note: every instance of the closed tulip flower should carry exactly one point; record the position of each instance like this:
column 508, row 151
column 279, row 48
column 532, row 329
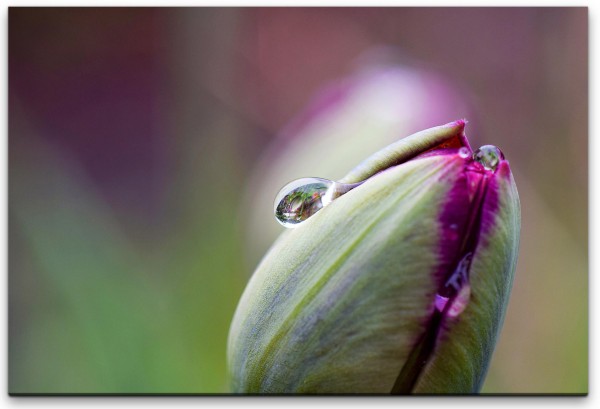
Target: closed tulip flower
column 394, row 279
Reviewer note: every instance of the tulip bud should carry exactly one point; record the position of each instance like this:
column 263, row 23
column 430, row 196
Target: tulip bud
column 398, row 284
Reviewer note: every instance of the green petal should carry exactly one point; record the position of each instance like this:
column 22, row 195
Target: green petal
column 449, row 135
column 337, row 304
column 464, row 349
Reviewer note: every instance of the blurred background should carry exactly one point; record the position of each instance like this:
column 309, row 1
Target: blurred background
column 146, row 147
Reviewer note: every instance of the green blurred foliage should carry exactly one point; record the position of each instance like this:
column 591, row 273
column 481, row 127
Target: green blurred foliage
column 101, row 315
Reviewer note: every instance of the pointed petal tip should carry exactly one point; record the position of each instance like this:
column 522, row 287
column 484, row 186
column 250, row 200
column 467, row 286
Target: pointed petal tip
column 459, row 123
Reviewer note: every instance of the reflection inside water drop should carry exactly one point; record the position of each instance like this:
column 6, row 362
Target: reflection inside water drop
column 300, row 199
column 489, row 156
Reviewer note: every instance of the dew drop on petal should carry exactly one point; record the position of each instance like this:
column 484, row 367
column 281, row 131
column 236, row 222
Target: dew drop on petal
column 302, row 198
column 489, row 156
column 464, row 152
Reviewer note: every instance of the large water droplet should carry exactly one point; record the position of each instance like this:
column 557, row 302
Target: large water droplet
column 300, row 199
column 489, row 156
column 456, row 289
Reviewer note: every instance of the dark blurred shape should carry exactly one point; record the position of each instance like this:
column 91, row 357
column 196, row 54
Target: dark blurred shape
column 95, row 81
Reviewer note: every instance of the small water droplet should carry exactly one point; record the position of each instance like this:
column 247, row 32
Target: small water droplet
column 464, row 152
column 300, row 199
column 488, row 156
